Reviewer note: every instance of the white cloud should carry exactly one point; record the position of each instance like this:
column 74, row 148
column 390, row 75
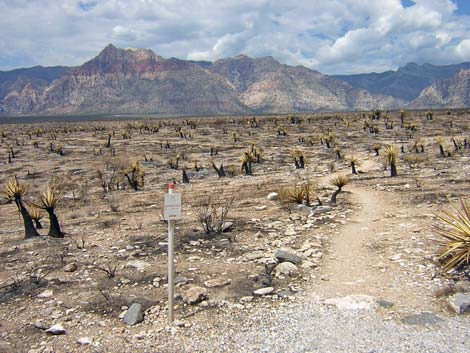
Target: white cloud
column 336, row 36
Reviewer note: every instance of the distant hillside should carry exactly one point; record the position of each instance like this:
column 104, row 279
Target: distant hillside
column 450, row 93
column 406, row 83
column 139, row 81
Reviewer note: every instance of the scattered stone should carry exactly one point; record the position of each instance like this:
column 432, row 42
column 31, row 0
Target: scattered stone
column 287, row 256
column 226, row 227
column 395, row 257
column 261, row 208
column 273, row 196
column 284, row 294
column 255, row 255
column 71, row 267
column 84, row 341
column 246, row 299
column 46, row 294
column 421, row 319
column 308, row 264
column 134, row 315
column 460, row 302
column 56, row 329
column 385, row 304
column 40, row 325
column 264, row 291
column 195, row 295
column 182, row 281
column 286, row 268
column 217, row 282
column 138, row 264
column 355, row 302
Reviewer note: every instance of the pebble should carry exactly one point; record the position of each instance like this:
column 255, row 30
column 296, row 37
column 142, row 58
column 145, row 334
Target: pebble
column 56, row 329
column 84, row 341
column 263, row 291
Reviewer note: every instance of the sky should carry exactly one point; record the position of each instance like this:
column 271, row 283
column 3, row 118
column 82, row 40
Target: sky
column 331, row 36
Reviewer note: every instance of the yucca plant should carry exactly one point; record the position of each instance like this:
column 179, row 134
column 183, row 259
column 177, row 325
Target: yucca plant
column 299, row 159
column 48, row 201
column 36, row 216
column 391, row 154
column 135, row 175
column 15, row 192
column 455, row 228
column 340, row 181
column 247, row 159
column 440, row 141
column 354, row 161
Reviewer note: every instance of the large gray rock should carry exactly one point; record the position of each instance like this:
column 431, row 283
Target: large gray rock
column 134, row 315
column 460, row 302
column 287, row 256
column 286, row 268
column 195, row 295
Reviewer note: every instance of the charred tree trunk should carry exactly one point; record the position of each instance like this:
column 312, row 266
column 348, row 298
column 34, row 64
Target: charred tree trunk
column 29, row 230
column 353, row 168
column 393, row 170
column 54, row 227
column 333, row 197
column 185, row 178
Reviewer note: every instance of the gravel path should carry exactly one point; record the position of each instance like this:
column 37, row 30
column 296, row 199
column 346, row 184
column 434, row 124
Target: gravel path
column 313, row 327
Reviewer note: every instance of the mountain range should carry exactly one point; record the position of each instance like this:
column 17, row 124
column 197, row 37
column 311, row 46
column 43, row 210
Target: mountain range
column 139, row 81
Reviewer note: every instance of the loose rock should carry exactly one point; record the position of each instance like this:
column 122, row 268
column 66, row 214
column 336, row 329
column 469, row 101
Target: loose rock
column 460, row 302
column 71, row 267
column 195, row 295
column 263, row 291
column 287, row 256
column 56, row 329
column 134, row 315
column 286, row 268
column 217, row 282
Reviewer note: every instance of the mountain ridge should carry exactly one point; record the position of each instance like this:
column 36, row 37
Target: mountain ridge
column 140, row 81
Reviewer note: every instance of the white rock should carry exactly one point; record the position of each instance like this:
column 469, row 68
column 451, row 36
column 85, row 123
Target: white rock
column 56, row 329
column 138, row 264
column 263, row 291
column 84, row 341
column 273, row 196
column 355, row 302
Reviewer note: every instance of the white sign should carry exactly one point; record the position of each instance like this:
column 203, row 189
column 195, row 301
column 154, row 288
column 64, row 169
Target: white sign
column 172, row 207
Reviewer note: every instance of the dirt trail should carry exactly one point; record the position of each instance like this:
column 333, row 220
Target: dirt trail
column 360, row 262
column 350, row 267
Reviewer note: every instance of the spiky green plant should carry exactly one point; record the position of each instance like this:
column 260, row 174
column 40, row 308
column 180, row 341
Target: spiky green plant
column 391, row 154
column 455, row 228
column 15, row 192
column 340, row 181
column 48, row 201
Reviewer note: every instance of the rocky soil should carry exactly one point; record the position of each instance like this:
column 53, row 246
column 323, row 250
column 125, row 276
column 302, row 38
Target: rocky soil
column 360, row 276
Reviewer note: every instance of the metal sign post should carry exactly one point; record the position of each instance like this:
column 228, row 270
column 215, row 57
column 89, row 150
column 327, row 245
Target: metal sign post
column 171, row 213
